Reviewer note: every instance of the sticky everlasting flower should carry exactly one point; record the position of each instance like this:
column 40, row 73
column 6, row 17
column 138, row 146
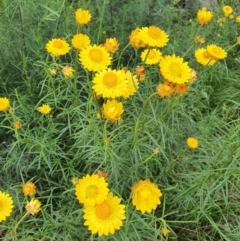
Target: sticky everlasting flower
column 4, row 104
column 146, row 196
column 132, row 85
column 29, row 188
column 106, row 217
column 111, row 45
column 82, row 16
column 18, row 125
column 151, row 56
column 33, row 207
column 67, row 71
column 203, row 57
column 204, row 16
column 237, row 19
column 165, row 90
column 95, row 58
column 57, row 47
column 80, row 41
column 112, row 110
column 216, row 52
column 174, row 69
column 135, row 40
column 91, row 190
column 6, row 205
column 192, row 142
column 110, row 83
column 44, row 109
column 227, row 10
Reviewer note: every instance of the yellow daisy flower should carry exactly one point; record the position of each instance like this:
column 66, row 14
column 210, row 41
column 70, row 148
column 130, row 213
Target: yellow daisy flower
column 227, row 10
column 112, row 110
column 216, row 52
column 153, row 36
column 44, row 109
column 110, row 83
column 192, row 142
column 204, row 16
column 237, row 19
column 91, row 190
column 152, row 56
column 6, row 205
column 146, row 196
column 33, row 207
column 134, row 39
column 4, row 104
column 203, row 57
column 111, row 45
column 80, row 41
column 174, row 69
column 67, row 71
column 29, row 188
column 132, row 85
column 95, row 58
column 165, row 89
column 106, row 217
column 82, row 16
column 57, row 47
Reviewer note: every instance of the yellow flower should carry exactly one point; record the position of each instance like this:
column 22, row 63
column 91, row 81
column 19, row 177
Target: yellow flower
column 153, row 36
column 192, row 142
column 111, row 45
column 174, row 69
column 203, row 57
column 82, row 16
column 100, row 173
column 33, row 207
column 238, row 39
column 53, row 72
column 204, row 16
column 134, row 39
column 95, row 58
column 132, row 85
column 6, row 205
column 193, row 75
column 231, row 16
column 18, row 125
column 165, row 231
column 74, row 181
column 106, row 217
column 216, row 52
column 91, row 190
column 181, row 89
column 165, row 89
column 44, row 109
column 151, row 56
column 227, row 10
column 110, row 83
column 80, row 41
column 4, row 104
column 57, row 47
column 146, row 196
column 29, row 188
column 199, row 39
column 112, row 110
column 238, row 19
column 67, row 71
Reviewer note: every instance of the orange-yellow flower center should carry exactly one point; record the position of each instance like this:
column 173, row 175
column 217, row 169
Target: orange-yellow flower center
column 154, row 32
column 175, row 69
column 144, row 193
column 103, row 211
column 110, row 79
column 91, row 191
column 58, row 44
column 152, row 55
column 96, row 55
column 206, row 54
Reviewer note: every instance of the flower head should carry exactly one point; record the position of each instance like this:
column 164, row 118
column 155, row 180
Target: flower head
column 80, row 41
column 106, row 217
column 181, row 89
column 204, row 16
column 192, row 142
column 237, row 19
column 199, row 39
column 6, row 205
column 216, row 52
column 95, row 58
column 29, row 188
column 153, row 36
column 67, row 71
column 91, row 190
column 82, row 16
column 44, row 109
column 132, row 85
column 227, row 10
column 4, row 104
column 18, row 125
column 57, row 47
column 110, row 83
column 165, row 89
column 203, row 57
column 151, row 56
column 33, row 206
column 135, row 39
column 174, row 69
column 112, row 110
column 146, row 196
column 111, row 45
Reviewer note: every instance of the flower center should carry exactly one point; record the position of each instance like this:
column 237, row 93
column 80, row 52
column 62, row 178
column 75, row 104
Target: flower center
column 96, row 55
column 154, row 32
column 206, row 54
column 144, row 193
column 151, row 55
column 175, row 69
column 58, row 44
column 91, row 191
column 110, row 79
column 103, row 211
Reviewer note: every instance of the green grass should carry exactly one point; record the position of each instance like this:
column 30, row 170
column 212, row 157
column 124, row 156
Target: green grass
column 200, row 187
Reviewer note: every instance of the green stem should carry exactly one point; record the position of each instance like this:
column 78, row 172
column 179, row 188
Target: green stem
column 100, row 23
column 21, row 219
column 120, row 56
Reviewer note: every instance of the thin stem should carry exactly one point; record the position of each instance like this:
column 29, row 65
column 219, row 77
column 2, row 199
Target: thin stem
column 100, row 22
column 120, row 56
column 21, row 219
